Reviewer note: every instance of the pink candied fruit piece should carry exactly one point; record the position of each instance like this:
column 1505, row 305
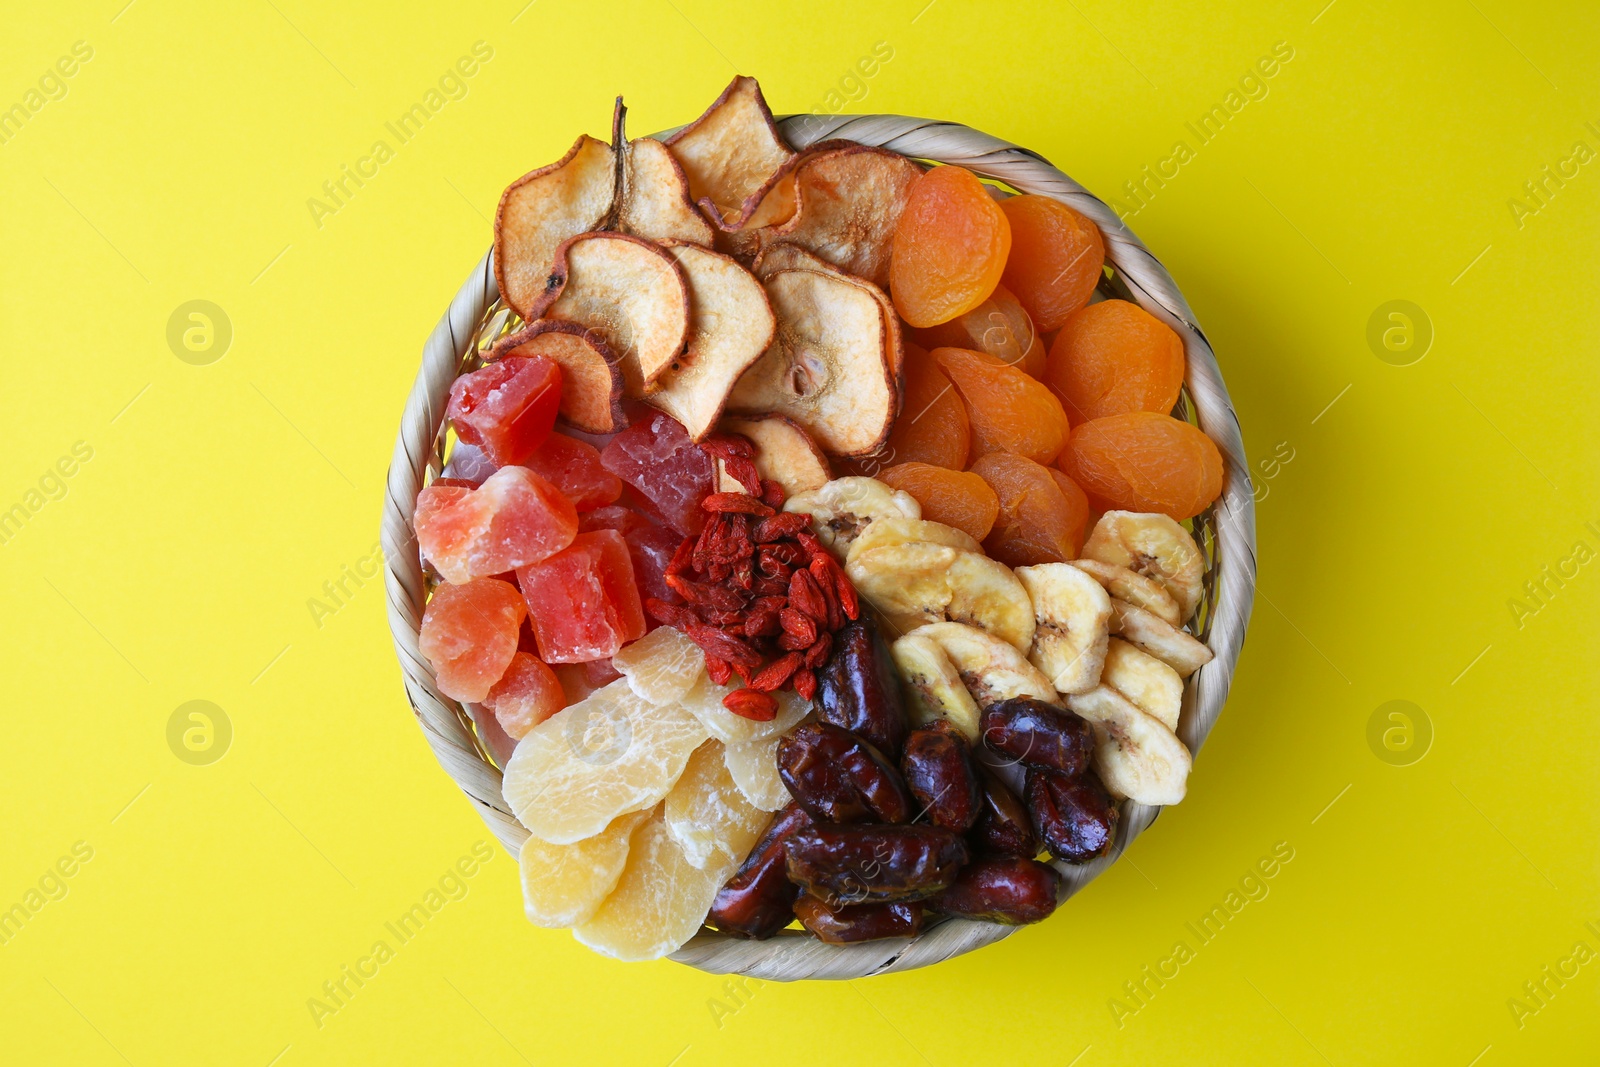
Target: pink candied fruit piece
column 583, row 602
column 525, row 696
column 507, row 408
column 513, row 519
column 468, row 464
column 656, row 456
column 469, row 635
column 650, row 546
column 574, row 467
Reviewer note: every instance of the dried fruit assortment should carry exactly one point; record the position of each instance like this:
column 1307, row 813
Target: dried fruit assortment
column 791, row 575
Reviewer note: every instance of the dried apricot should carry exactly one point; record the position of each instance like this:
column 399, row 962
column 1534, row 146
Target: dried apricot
column 998, row 326
column 1040, row 520
column 932, row 427
column 956, row 498
column 1056, row 258
column 1145, row 461
column 1009, row 411
column 950, row 246
column 1112, row 358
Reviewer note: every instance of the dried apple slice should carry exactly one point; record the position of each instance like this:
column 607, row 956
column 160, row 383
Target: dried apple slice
column 591, row 374
column 732, row 327
column 655, row 196
column 564, row 884
column 829, row 366
column 847, row 203
column 785, row 453
column 731, row 153
column 629, row 292
column 542, row 209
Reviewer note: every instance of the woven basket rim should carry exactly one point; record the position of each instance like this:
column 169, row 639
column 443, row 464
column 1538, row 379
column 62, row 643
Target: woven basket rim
column 446, row 724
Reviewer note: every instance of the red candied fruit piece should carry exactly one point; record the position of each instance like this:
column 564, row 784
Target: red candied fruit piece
column 651, row 547
column 656, row 456
column 513, row 519
column 573, row 466
column 469, row 635
column 468, row 465
column 507, row 408
column 583, row 601
column 525, row 696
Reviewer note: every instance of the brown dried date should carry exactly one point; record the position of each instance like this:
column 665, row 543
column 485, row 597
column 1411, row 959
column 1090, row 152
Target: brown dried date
column 1003, row 827
column 858, row 922
column 1038, row 734
column 1074, row 815
column 838, row 777
column 1001, row 889
column 860, row 690
column 758, row 901
column 938, row 770
column 873, row 864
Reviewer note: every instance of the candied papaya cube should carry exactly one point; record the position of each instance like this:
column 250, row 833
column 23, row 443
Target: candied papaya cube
column 657, row 458
column 652, row 547
column 525, row 696
column 583, row 602
column 513, row 519
column 507, row 408
column 469, row 635
column 573, row 466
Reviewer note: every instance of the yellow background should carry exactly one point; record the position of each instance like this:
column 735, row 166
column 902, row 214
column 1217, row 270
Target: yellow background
column 219, row 498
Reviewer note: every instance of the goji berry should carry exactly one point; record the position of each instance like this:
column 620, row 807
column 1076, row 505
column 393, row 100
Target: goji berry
column 719, row 670
column 752, row 704
column 715, row 642
column 806, row 596
column 775, row 674
column 817, row 654
column 742, row 503
column 805, row 683
column 772, row 494
column 777, row 527
column 798, row 625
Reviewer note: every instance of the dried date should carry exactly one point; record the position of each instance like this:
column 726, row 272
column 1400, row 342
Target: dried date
column 1003, row 827
column 758, row 900
column 1001, row 889
column 937, row 766
column 860, row 690
column 1038, row 734
column 840, row 778
column 850, row 923
column 1074, row 815
column 874, row 864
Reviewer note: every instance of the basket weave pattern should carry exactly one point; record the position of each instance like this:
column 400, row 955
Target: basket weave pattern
column 1227, row 533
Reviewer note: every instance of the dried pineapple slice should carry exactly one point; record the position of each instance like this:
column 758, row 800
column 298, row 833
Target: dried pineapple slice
column 661, row 666
column 754, row 766
column 599, row 758
column 707, row 815
column 658, row 903
column 564, row 884
column 704, row 702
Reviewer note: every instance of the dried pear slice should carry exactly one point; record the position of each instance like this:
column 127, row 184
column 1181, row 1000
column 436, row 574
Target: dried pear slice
column 631, row 293
column 542, row 209
column 847, row 203
column 655, row 200
column 564, row 884
column 732, row 325
column 591, row 374
column 829, row 366
column 784, row 255
column 604, row 756
column 785, row 453
column 731, row 153
column 658, row 903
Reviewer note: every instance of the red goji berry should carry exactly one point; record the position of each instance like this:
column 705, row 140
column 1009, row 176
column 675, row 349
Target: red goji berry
column 751, row 704
column 777, row 527
column 719, row 670
column 817, row 654
column 719, row 643
column 762, row 624
column 775, row 674
column 670, row 614
column 798, row 625
column 805, row 683
column 772, row 493
column 726, row 445
column 805, row 595
column 742, row 503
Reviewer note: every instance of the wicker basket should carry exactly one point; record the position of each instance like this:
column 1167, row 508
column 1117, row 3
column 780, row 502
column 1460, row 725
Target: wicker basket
column 1226, row 533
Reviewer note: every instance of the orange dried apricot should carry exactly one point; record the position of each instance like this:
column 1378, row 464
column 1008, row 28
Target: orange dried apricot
column 1056, row 258
column 998, row 326
column 956, row 498
column 1112, row 358
column 1145, row 461
column 950, row 246
column 932, row 427
column 1009, row 411
column 1040, row 520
